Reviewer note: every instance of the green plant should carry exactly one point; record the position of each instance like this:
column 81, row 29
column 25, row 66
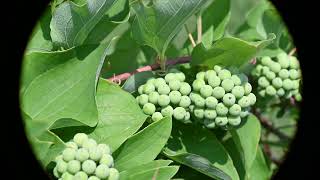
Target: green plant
column 129, row 74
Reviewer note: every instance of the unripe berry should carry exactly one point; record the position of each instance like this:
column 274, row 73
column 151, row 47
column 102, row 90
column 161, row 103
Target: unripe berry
column 185, row 88
column 275, row 67
column 68, row 154
column 163, row 100
column 217, row 68
column 266, row 60
column 263, row 82
column 221, row 121
column 218, row 92
column 175, row 97
column 197, row 84
column 244, row 102
column 252, row 98
column 287, row 84
column 74, row 166
column 227, row 85
column 247, row 88
column 179, row 113
column 298, row 97
column 151, row 81
column 62, row 167
column 140, row 89
column 169, row 77
column 209, row 74
column 262, row 93
column 270, row 90
column 206, row 91
column 107, row 159
column 234, row 120
column 214, row 81
column 283, row 60
column 238, row 91
column 199, row 101
column 210, row 114
column 80, row 176
column 72, row 145
column 293, row 74
column 148, row 88
column 280, row 92
column 89, row 143
column 236, row 80
column 265, row 70
column 294, row 63
column 149, row 109
column 66, row 176
column 95, row 153
column 159, row 82
column 284, row 74
column 209, row 123
column 224, row 74
column 185, row 102
column 229, row 99
column 221, row 109
column 193, row 96
column 82, row 154
column 294, row 92
column 198, row 113
column 113, row 174
column 156, row 116
column 211, row 102
column 55, row 172
column 200, row 75
column 93, row 178
column 143, row 99
column 187, row 116
column 89, row 166
column 174, row 85
column 270, row 75
column 235, row 110
column 277, row 82
column 167, row 111
column 295, row 84
column 164, row 89
column 58, row 158
column 102, row 171
column 244, row 113
column 180, row 76
column 105, row 149
column 153, row 97
column 79, row 138
column 192, row 107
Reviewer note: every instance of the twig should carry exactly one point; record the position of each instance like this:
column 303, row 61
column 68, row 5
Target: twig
column 199, row 29
column 268, row 152
column 156, row 66
column 292, row 51
column 190, row 36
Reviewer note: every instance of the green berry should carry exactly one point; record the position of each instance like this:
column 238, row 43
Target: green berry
column 149, row 108
column 143, row 99
column 175, row 97
column 62, row 167
column 55, row 172
column 68, row 154
column 187, row 116
column 262, row 93
column 58, row 158
column 180, row 76
column 270, row 75
column 167, row 111
column 153, row 97
column 164, row 89
column 199, row 101
column 193, row 96
column 238, row 91
column 209, row 74
column 214, row 81
column 221, row 109
column 275, row 67
column 67, row 176
column 235, row 110
column 79, row 138
column 185, row 101
column 294, row 92
column 197, row 84
column 206, row 91
column 287, row 84
column 74, row 166
column 93, row 178
column 192, row 107
column 298, row 97
column 102, row 171
column 169, row 77
column 200, row 75
column 185, row 88
column 244, row 113
column 247, row 88
column 113, row 174
column 179, row 113
column 89, row 166
column 217, row 68
column 221, row 121
column 148, row 88
column 163, row 100
column 105, row 149
column 218, row 92
column 281, row 92
column 209, row 123
column 224, row 74
column 107, row 159
column 277, row 82
column 263, row 82
column 294, row 63
column 295, row 84
column 210, row 114
column 244, row 102
column 265, row 70
column 151, row 81
column 198, row 113
column 266, row 60
column 271, row 91
column 284, row 74
column 157, row 116
column 293, row 74
column 252, row 98
column 227, row 85
column 283, row 60
column 89, row 143
column 236, row 80
column 229, row 99
column 159, row 82
column 82, row 154
column 211, row 102
column 174, row 85
column 234, row 120
column 140, row 89
column 80, row 176
column 72, row 145
column 95, row 153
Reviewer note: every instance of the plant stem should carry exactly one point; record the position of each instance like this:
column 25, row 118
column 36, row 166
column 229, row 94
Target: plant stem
column 199, row 29
column 193, row 43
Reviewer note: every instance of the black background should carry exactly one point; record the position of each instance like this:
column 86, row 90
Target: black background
column 19, row 17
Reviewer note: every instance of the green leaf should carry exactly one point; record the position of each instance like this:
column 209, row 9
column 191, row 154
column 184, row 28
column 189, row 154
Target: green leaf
column 71, row 23
column 119, row 115
column 246, row 139
column 161, row 173
column 157, row 24
column 133, row 82
column 259, row 168
column 198, row 148
column 144, row 146
column 228, row 51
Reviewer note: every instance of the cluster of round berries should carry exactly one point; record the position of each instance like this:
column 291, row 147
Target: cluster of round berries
column 84, row 159
column 279, row 78
column 166, row 97
column 221, row 98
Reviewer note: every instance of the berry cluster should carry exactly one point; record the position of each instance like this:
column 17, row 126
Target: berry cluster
column 166, row 97
column 221, row 98
column 280, row 77
column 84, row 159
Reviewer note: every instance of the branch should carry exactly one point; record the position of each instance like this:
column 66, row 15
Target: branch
column 199, row 29
column 156, row 66
column 193, row 43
